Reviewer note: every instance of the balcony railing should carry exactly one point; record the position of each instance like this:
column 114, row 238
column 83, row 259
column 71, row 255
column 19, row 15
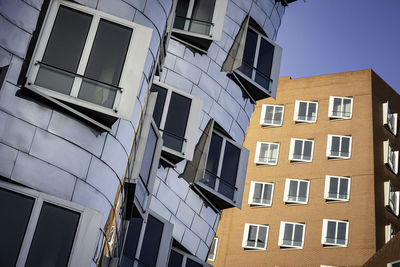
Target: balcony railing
column 219, row 185
column 193, row 25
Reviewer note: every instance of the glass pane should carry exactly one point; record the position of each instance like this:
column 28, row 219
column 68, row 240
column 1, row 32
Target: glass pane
column 175, row 124
column 347, row 107
column 345, row 149
column 262, row 234
column 55, row 80
column 16, row 210
column 288, row 233
column 263, row 157
column 302, row 111
column 175, row 259
column 344, row 184
column 148, row 156
column 214, row 153
column 341, row 233
column 335, row 146
column 160, row 102
column 312, row 111
column 249, row 53
column 257, row 193
column 209, row 179
column 151, row 241
column 264, row 63
column 192, row 263
column 181, row 14
column 268, row 114
column 298, row 235
column 202, row 16
column 331, row 232
column 226, row 189
column 292, row 190
column 303, row 191
column 333, row 187
column 251, row 238
column 273, row 153
column 230, row 163
column 55, row 234
column 298, row 147
column 278, row 115
column 307, row 150
column 97, row 93
column 132, row 238
column 267, row 194
column 337, row 109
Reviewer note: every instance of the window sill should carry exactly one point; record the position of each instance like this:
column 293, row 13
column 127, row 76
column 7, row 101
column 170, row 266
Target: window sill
column 264, row 125
column 301, row 122
column 260, row 164
column 337, row 158
column 339, row 118
column 334, row 200
column 295, row 203
column 254, row 249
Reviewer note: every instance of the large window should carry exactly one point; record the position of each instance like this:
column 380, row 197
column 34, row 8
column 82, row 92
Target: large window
column 36, row 222
column 340, row 107
column 390, row 157
column 305, row 111
column 392, row 198
column 301, row 150
column 271, row 115
column 177, row 116
column 261, row 194
column 296, row 191
column 291, row 235
column 90, row 59
column 255, row 236
column 337, row 188
column 266, row 153
column 213, row 250
column 389, row 118
column 338, row 147
column 334, row 233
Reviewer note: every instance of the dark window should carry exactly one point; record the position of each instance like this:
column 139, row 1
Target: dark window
column 16, row 210
column 175, row 259
column 160, row 102
column 192, row 263
column 287, row 238
column 148, row 156
column 249, row 53
column 131, row 242
column 331, row 233
column 151, row 241
column 341, row 235
column 3, row 72
column 298, row 235
column 264, row 63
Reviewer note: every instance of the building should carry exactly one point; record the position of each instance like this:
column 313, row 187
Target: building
column 122, row 123
column 322, row 186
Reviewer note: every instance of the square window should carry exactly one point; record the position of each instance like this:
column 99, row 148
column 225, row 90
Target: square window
column 389, row 233
column 334, row 233
column 90, row 59
column 301, row 150
column 392, row 198
column 271, row 115
column 266, row 153
column 261, row 194
column 391, row 157
column 296, row 191
column 338, row 147
column 255, row 236
column 389, row 118
column 291, row 235
column 305, row 111
column 337, row 188
column 213, row 250
column 340, row 107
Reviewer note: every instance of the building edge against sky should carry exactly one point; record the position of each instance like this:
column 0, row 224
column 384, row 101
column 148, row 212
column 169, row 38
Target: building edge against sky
column 84, row 140
column 322, row 177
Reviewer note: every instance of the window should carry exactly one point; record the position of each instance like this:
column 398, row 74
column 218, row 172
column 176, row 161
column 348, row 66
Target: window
column 296, row 191
column 392, row 198
column 391, row 157
column 394, row 264
column 267, row 153
column 271, row 115
column 213, row 250
column 291, row 235
column 340, row 107
column 305, row 111
column 261, row 194
column 389, row 233
column 90, row 59
column 334, row 233
column 337, row 188
column 179, row 258
column 339, row 147
column 389, row 118
column 255, row 236
column 301, row 150
column 45, row 223
column 177, row 116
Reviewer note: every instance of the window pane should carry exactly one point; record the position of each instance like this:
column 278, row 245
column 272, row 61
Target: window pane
column 337, row 110
column 347, row 107
column 257, row 193
column 312, row 111
column 131, row 241
column 333, row 187
column 214, row 153
column 298, row 147
column 345, row 147
column 302, row 111
column 251, row 238
column 181, row 14
column 175, row 259
column 262, row 234
column 249, row 53
column 202, row 16
column 264, row 63
column 278, row 115
column 55, row 234
column 160, row 102
column 292, row 190
column 263, row 152
column 344, row 185
column 268, row 114
column 175, row 124
column 341, row 234
column 307, row 150
column 229, row 170
column 331, row 232
column 267, row 194
column 298, row 235
column 148, row 156
column 192, row 263
column 303, row 191
column 273, row 153
column 105, row 63
column 151, row 241
column 16, row 210
column 55, row 80
column 288, row 234
column 335, row 146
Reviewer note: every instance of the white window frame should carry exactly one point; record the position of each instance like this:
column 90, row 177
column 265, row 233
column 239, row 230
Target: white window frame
column 389, row 233
column 213, row 250
column 87, row 231
column 257, row 154
column 296, row 111
column 292, row 147
column 131, row 72
column 282, row 234
column 287, row 187
column 390, row 157
column 390, row 264
column 246, row 234
column 391, row 198
column 263, row 113
column 325, row 229
column 251, row 194
column 193, row 121
column 327, row 184
column 389, row 118
column 329, row 146
column 331, row 103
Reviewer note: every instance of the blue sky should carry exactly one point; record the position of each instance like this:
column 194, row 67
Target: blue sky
column 330, row 36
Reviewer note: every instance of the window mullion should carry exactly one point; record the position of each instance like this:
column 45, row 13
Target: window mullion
column 165, row 110
column 303, row 145
column 297, row 190
column 189, row 15
column 293, row 231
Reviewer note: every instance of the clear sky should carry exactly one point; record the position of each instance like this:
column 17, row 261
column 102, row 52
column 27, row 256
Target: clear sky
column 330, row 36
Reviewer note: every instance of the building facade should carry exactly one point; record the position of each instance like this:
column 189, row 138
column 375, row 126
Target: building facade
column 322, row 182
column 122, row 123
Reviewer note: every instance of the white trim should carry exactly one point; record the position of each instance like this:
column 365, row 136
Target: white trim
column 390, row 264
column 268, row 160
column 251, row 193
column 389, row 118
column 282, row 234
column 329, row 147
column 272, row 123
column 390, row 157
column 246, row 234
column 305, row 120
column 325, row 229
column 327, row 185
column 292, row 149
column 389, row 232
column 212, row 254
column 331, row 106
column 287, row 187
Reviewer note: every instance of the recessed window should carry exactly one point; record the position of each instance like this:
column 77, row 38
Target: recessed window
column 334, row 233
column 340, row 107
column 394, row 264
column 391, row 157
column 389, row 118
column 271, row 115
column 305, row 111
column 213, row 250
column 296, row 191
column 291, row 235
column 90, row 59
column 255, row 236
column 301, row 150
column 389, row 233
column 261, row 194
column 177, row 116
column 266, row 153
column 337, row 188
column 338, row 147
column 392, row 198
